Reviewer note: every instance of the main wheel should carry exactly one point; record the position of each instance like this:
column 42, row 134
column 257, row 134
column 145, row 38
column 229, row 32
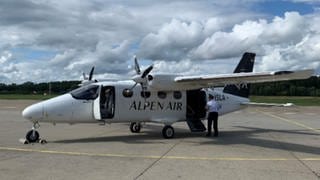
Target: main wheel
column 168, row 132
column 32, row 136
column 135, row 127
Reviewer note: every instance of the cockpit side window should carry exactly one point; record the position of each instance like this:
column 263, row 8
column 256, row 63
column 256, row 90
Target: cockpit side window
column 89, row 92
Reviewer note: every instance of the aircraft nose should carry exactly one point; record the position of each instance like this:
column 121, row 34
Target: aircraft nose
column 33, row 113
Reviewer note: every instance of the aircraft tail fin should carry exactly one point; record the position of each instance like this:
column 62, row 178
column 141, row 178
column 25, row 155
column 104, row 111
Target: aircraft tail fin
column 245, row 65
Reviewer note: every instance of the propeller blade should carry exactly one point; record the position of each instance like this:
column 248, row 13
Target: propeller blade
column 136, row 65
column 133, row 86
column 147, row 71
column 91, row 73
column 84, row 76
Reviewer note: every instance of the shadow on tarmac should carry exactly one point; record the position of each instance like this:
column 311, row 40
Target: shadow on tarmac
column 249, row 137
column 151, row 134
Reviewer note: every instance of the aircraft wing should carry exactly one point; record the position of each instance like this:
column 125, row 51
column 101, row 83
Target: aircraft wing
column 243, row 78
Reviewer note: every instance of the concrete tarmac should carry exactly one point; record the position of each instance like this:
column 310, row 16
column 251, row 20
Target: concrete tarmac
column 254, row 143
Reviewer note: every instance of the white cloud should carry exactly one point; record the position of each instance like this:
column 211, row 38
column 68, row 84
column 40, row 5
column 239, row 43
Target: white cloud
column 11, row 68
column 5, row 56
column 289, row 29
column 172, row 41
column 189, row 37
column 289, row 42
column 304, row 54
column 253, row 36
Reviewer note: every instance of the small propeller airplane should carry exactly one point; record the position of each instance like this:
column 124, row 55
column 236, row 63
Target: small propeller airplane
column 157, row 98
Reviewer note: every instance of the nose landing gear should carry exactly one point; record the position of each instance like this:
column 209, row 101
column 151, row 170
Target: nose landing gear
column 33, row 135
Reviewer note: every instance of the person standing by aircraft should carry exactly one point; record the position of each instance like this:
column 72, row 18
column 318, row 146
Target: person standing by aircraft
column 212, row 108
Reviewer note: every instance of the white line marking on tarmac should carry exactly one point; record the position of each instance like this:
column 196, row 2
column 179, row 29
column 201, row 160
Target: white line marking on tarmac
column 8, row 107
column 290, row 113
column 154, row 157
column 311, row 114
column 290, row 121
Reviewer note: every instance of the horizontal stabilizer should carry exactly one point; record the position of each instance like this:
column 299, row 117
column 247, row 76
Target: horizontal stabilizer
column 267, row 104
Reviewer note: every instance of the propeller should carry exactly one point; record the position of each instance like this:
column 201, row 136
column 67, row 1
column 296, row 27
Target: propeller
column 142, row 79
column 88, row 80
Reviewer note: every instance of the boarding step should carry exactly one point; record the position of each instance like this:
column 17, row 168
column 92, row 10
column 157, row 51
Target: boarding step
column 195, row 125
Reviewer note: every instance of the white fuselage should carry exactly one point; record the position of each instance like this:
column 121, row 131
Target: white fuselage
column 165, row 107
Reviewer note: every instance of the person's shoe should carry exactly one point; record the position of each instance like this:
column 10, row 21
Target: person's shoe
column 215, row 135
column 208, row 135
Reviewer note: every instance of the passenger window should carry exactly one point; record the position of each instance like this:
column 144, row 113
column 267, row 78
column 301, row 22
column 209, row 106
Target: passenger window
column 89, row 92
column 145, row 94
column 162, row 95
column 127, row 93
column 177, row 94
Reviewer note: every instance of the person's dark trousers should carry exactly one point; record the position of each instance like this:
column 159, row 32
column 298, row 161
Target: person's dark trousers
column 213, row 116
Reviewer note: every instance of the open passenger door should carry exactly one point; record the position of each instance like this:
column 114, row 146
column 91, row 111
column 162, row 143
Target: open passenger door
column 96, row 105
column 104, row 105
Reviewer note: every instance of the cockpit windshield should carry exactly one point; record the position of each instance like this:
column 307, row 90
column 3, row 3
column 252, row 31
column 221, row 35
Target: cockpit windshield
column 89, row 92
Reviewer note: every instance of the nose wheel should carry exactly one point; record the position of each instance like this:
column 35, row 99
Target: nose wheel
column 32, row 136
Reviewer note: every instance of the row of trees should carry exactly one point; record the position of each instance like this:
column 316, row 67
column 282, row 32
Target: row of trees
column 309, row 87
column 39, row 88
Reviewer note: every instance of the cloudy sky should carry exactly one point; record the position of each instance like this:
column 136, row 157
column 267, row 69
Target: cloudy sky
column 52, row 40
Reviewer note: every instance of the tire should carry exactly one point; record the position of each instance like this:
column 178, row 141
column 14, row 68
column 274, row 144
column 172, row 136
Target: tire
column 135, row 127
column 32, row 136
column 168, row 132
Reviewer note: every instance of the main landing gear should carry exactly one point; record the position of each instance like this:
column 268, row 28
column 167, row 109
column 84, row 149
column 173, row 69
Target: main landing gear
column 167, row 131
column 135, row 127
